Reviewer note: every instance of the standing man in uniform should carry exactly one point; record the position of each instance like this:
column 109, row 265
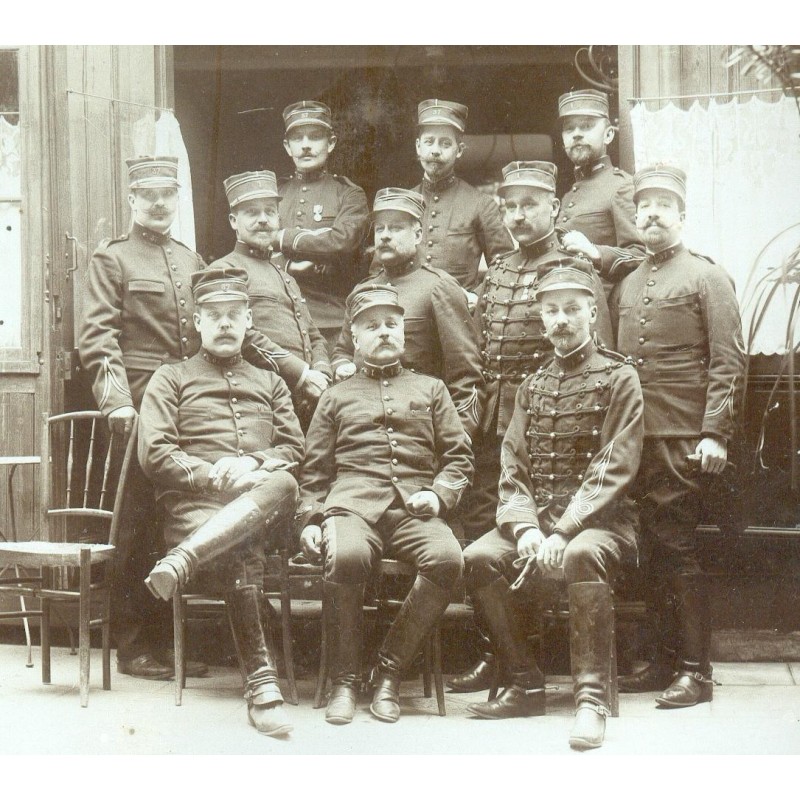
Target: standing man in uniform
column 217, row 438
column 324, row 218
column 139, row 316
column 678, row 318
column 440, row 335
column 387, row 458
column 279, row 309
column 514, row 346
column 598, row 211
column 460, row 224
column 569, row 455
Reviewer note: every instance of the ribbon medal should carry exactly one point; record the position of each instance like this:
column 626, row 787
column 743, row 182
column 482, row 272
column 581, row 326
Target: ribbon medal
column 317, row 212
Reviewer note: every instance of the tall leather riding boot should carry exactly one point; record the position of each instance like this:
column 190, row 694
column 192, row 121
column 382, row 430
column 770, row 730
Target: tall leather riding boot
column 229, row 527
column 264, row 700
column 658, row 674
column 524, row 695
column 421, row 610
column 591, row 626
column 693, row 683
column 484, row 672
column 344, row 613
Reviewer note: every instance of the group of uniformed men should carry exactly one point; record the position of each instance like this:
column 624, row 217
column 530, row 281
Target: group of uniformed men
column 558, row 410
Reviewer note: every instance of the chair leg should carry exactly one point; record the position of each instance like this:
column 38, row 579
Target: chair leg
column 322, row 675
column 613, row 685
column 437, row 670
column 178, row 643
column 25, row 623
column 106, row 629
column 84, row 614
column 286, row 635
column 45, row 641
column 426, row 667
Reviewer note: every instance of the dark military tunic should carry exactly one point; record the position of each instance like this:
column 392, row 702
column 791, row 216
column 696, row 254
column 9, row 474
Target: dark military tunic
column 513, row 340
column 382, row 435
column 375, row 440
column 573, row 447
column 678, row 318
column 440, row 336
column 458, row 226
column 279, row 308
column 600, row 205
column 325, row 219
column 198, row 411
column 138, row 316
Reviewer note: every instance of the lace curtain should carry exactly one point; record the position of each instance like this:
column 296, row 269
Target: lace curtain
column 164, row 139
column 742, row 160
column 10, row 236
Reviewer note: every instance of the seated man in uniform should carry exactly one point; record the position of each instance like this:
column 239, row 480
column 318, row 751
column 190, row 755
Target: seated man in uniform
column 217, row 438
column 387, row 459
column 569, row 455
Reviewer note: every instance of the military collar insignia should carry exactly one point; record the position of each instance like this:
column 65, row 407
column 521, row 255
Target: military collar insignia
column 540, row 246
column 665, row 255
column 230, row 361
column 589, row 169
column 400, row 269
column 576, row 357
column 310, row 177
column 386, row 371
column 153, row 237
column 254, row 252
column 438, row 186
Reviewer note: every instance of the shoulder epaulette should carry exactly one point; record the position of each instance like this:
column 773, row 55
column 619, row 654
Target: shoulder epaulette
column 700, row 255
column 343, row 179
column 106, row 242
column 500, row 256
column 613, row 354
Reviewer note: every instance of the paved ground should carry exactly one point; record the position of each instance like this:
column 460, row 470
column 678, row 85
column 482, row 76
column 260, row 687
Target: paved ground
column 756, row 710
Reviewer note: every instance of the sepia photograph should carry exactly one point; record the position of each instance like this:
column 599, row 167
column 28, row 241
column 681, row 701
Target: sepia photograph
column 399, row 400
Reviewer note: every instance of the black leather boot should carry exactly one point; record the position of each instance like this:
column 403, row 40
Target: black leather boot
column 421, row 610
column 591, row 627
column 524, row 695
column 484, row 672
column 232, row 525
column 264, row 700
column 693, row 683
column 658, row 674
column 344, row 607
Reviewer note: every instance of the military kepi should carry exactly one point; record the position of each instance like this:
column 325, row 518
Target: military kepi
column 152, row 172
column 660, row 176
column 307, row 112
column 536, row 174
column 251, row 186
column 586, row 102
column 394, row 199
column 219, row 284
column 565, row 272
column 442, row 112
column 369, row 295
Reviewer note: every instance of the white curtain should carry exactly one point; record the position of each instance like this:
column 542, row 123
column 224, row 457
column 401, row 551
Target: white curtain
column 10, row 236
column 164, row 139
column 742, row 160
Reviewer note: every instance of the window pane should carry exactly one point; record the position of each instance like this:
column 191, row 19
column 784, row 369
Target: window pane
column 10, row 194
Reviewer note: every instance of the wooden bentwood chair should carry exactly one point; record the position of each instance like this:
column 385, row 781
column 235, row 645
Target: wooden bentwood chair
column 83, row 474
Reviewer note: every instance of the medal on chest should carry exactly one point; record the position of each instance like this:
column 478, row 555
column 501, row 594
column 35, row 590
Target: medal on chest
column 317, row 212
column 527, row 282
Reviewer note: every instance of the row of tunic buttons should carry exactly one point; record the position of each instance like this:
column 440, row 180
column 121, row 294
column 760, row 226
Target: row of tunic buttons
column 430, row 228
column 390, row 433
column 237, row 414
